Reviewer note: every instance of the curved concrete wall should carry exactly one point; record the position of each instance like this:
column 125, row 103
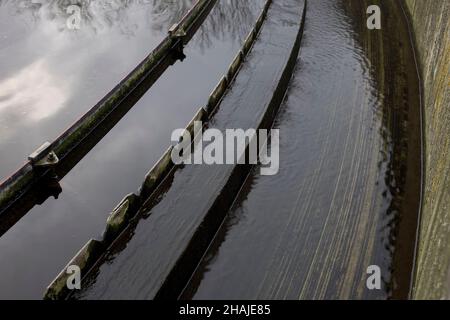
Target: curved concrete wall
column 430, row 22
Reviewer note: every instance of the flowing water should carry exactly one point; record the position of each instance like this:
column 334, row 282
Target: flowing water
column 50, row 75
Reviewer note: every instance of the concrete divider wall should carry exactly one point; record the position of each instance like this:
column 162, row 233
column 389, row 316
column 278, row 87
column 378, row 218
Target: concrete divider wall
column 431, row 28
column 126, row 211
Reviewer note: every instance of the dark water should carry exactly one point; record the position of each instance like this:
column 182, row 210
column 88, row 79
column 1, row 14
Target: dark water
column 140, row 261
column 347, row 193
column 40, row 244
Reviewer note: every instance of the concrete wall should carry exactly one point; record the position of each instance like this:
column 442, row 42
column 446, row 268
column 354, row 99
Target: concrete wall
column 430, row 21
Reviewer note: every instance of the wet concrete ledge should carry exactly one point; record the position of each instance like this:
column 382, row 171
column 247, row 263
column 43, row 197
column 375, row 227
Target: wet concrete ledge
column 126, row 211
column 430, row 22
column 12, row 188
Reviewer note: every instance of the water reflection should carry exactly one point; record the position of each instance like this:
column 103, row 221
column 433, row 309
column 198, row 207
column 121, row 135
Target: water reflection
column 34, row 93
column 240, row 13
column 100, row 15
column 50, row 75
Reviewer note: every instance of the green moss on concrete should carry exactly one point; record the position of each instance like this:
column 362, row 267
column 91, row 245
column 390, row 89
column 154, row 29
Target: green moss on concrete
column 156, row 174
column 431, row 26
column 121, row 215
column 84, row 259
column 119, row 219
column 80, row 131
column 217, row 94
column 12, row 191
column 199, row 116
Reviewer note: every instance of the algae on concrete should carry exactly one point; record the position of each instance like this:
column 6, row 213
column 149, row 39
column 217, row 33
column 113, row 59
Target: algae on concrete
column 431, row 27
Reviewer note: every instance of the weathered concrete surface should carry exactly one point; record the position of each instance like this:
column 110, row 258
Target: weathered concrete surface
column 430, row 20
